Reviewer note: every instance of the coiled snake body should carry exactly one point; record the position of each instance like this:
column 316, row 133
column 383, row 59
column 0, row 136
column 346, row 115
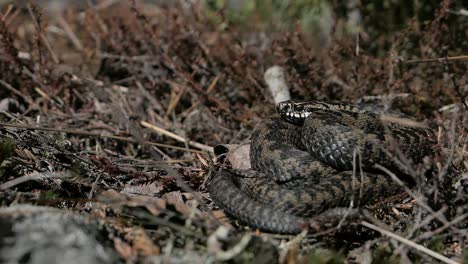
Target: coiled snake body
column 313, row 157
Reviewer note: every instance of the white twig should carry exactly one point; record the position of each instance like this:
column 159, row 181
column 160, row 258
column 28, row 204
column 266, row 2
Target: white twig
column 34, row 176
column 223, row 255
column 275, row 78
column 409, row 243
column 177, row 137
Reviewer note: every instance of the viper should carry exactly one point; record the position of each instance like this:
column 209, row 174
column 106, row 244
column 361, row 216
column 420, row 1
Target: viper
column 313, row 157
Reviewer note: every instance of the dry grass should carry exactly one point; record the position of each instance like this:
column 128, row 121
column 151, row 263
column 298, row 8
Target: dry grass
column 128, row 101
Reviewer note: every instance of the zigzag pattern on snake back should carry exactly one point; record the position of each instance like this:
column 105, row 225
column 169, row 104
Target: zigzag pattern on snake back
column 314, row 157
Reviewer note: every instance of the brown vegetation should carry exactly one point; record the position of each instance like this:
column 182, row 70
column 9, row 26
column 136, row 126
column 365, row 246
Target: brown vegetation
column 94, row 106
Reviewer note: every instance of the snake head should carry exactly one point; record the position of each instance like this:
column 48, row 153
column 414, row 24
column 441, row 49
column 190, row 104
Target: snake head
column 294, row 112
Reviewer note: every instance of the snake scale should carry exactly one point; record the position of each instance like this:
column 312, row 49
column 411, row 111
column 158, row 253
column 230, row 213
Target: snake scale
column 315, row 156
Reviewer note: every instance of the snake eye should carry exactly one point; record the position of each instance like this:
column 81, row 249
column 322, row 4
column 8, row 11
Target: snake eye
column 299, row 107
column 283, row 107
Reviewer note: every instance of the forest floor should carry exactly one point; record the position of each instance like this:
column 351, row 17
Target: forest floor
column 114, row 111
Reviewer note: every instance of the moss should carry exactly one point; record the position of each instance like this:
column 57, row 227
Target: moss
column 436, row 244
column 384, row 255
column 7, row 149
column 307, row 12
column 77, row 169
column 47, row 195
column 324, row 257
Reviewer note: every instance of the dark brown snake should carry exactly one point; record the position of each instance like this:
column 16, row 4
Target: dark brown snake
column 314, row 157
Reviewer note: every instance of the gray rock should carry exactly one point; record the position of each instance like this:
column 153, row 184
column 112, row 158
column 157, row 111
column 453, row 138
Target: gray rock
column 35, row 234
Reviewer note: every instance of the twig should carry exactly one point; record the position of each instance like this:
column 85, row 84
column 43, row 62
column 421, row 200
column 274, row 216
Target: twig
column 156, row 220
column 417, row 199
column 175, row 100
column 402, row 121
column 42, row 37
column 453, row 144
column 155, row 103
column 212, row 84
column 454, row 58
column 419, row 225
column 86, row 133
column 13, row 90
column 193, row 85
column 461, row 12
column 177, row 137
column 31, row 177
column 234, row 251
column 104, row 4
column 455, row 86
column 455, row 221
column 103, row 27
column 93, row 187
column 6, row 13
column 296, row 240
column 409, row 243
column 71, row 35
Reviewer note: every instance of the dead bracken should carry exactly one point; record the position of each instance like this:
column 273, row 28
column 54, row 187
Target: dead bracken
column 115, row 110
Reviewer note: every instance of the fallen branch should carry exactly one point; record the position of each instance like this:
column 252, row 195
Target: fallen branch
column 35, row 176
column 177, row 137
column 86, row 133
